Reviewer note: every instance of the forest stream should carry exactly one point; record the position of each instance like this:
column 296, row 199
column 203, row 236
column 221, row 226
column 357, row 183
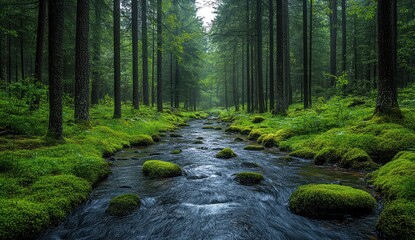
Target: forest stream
column 206, row 202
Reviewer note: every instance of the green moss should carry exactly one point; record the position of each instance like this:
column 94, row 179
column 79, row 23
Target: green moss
column 233, row 129
column 22, row 219
column 226, row 153
column 255, row 134
column 397, row 220
column 249, row 177
column 254, row 147
column 328, row 155
column 177, row 151
column 392, row 141
column 273, row 140
column 306, row 153
column 258, row 119
column 329, row 200
column 123, row 205
column 246, row 130
column 357, row 158
column 161, row 169
column 141, row 140
column 261, row 138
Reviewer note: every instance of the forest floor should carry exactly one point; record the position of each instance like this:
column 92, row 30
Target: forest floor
column 42, row 181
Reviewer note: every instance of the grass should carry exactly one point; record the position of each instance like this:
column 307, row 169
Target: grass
column 330, row 200
column 42, row 180
column 123, row 205
column 161, row 169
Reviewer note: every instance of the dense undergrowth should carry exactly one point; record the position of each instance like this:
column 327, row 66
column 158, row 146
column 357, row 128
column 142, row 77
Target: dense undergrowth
column 342, row 131
column 42, row 180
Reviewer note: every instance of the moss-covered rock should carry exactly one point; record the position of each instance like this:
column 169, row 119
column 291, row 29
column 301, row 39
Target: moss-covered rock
column 156, row 138
column 226, row 153
column 255, row 134
column 254, row 147
column 357, row 158
column 330, row 200
column 161, row 169
column 328, row 155
column 123, row 205
column 258, row 119
column 261, row 138
column 238, row 139
column 306, row 153
column 397, row 220
column 141, row 140
column 274, row 139
column 249, row 177
column 233, row 129
column 246, row 130
column 176, row 151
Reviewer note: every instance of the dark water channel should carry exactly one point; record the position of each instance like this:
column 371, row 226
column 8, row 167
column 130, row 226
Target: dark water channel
column 206, row 203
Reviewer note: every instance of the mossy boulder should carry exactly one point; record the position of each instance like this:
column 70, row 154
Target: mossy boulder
column 274, row 139
column 330, row 201
column 141, row 140
column 261, row 138
column 255, row 134
column 226, row 153
column 123, row 205
column 176, row 151
column 357, row 158
column 161, row 169
column 156, row 138
column 246, row 130
column 328, row 155
column 258, row 119
column 306, row 153
column 397, row 220
column 254, row 147
column 249, row 178
column 233, row 129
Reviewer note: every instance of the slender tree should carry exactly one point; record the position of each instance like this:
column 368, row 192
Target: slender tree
column 260, row 86
column 387, row 102
column 248, row 62
column 286, row 54
column 271, row 55
column 310, row 62
column 96, row 54
column 159, row 56
column 117, row 58
column 344, row 37
column 134, row 11
column 56, row 25
column 280, row 104
column 333, row 41
column 305, row 55
column 82, row 62
column 40, row 42
column 145, row 52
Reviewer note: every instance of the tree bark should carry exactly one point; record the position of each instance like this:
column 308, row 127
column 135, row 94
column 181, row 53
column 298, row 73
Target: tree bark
column 96, row 55
column 117, row 58
column 344, row 37
column 271, row 56
column 333, row 42
column 280, row 105
column 234, row 80
column 40, row 42
column 153, row 92
column 159, row 56
column 56, row 53
column 134, row 12
column 248, row 64
column 310, row 62
column 387, row 101
column 305, row 55
column 286, row 54
column 145, row 52
column 260, row 87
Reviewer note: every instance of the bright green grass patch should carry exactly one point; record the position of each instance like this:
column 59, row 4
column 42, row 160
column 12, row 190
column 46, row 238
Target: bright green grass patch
column 254, row 147
column 249, row 177
column 397, row 220
column 161, row 169
column 226, row 153
column 329, row 200
column 123, row 205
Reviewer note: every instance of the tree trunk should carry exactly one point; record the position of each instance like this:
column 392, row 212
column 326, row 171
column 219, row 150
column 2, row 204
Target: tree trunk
column 96, row 57
column 177, row 86
column 226, row 89
column 333, row 42
column 159, row 56
column 271, row 55
column 287, row 58
column 134, row 6
column 387, row 102
column 22, row 48
column 82, row 62
column 40, row 42
column 145, row 52
column 234, row 80
column 310, row 71
column 56, row 39
column 305, row 55
column 260, row 90
column 171, row 81
column 248, row 63
column 243, row 75
column 153, row 92
column 117, row 58
column 280, row 105
column 344, row 37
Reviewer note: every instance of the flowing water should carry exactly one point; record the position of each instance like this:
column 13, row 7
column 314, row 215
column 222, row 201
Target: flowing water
column 206, row 202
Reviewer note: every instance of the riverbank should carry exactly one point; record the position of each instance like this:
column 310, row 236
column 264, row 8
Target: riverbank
column 42, row 181
column 343, row 132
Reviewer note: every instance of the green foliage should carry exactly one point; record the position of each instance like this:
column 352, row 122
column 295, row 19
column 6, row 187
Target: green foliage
column 226, row 153
column 254, row 147
column 161, row 169
column 123, row 205
column 329, row 200
column 397, row 220
column 249, row 177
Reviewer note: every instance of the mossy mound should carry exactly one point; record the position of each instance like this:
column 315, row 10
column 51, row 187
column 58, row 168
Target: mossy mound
column 141, row 140
column 329, row 200
column 175, row 135
column 246, row 130
column 161, row 169
column 258, row 119
column 233, row 129
column 328, row 155
column 306, row 153
column 255, row 134
column 177, row 151
column 397, row 220
column 156, row 138
column 254, row 147
column 249, row 177
column 123, row 205
column 357, row 158
column 274, row 139
column 226, row 153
